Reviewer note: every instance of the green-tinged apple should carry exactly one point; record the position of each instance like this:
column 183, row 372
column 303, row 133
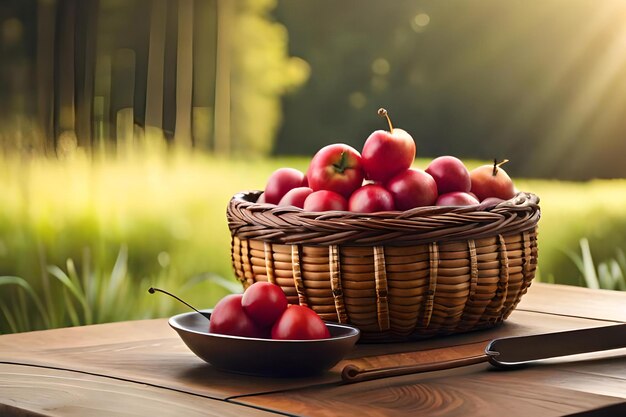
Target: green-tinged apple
column 492, row 181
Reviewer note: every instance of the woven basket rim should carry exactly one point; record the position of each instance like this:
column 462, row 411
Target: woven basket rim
column 292, row 225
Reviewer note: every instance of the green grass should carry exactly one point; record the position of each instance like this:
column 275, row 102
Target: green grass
column 81, row 241
column 571, row 211
column 609, row 274
column 169, row 214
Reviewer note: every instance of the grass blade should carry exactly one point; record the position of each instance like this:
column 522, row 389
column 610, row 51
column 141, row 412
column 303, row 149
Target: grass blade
column 88, row 278
column 54, row 320
column 23, row 309
column 605, row 279
column 589, row 271
column 21, row 282
column 9, row 318
column 71, row 310
column 621, row 259
column 618, row 275
column 120, row 270
column 65, row 280
column 73, row 275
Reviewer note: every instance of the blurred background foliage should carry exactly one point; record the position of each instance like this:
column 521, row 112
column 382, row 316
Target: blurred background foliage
column 126, row 126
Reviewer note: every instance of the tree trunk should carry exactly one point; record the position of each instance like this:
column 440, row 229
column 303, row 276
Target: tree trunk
column 156, row 57
column 45, row 73
column 225, row 18
column 64, row 104
column 85, row 62
column 184, row 74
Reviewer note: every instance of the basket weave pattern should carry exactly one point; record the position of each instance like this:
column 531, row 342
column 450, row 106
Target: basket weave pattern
column 422, row 272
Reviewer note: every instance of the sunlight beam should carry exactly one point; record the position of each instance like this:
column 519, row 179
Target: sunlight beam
column 566, row 130
column 574, row 52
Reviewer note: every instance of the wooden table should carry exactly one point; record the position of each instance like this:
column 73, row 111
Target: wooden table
column 142, row 368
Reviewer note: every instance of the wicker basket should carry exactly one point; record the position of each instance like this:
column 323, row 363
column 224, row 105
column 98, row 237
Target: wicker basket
column 395, row 275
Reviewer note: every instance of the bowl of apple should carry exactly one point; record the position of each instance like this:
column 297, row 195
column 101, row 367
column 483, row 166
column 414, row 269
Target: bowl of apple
column 367, row 239
column 260, row 333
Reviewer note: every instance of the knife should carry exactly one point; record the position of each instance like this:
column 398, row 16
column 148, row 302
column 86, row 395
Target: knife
column 511, row 352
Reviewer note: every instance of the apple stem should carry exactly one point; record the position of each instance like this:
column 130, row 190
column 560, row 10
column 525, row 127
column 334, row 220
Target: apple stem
column 383, row 113
column 497, row 165
column 341, row 166
column 152, row 290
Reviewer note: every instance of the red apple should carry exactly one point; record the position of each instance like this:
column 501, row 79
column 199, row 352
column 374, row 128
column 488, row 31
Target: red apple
column 295, row 197
column 492, row 181
column 386, row 154
column 281, row 181
column 337, row 168
column 450, row 174
column 264, row 303
column 456, row 198
column 412, row 188
column 370, row 199
column 299, row 323
column 229, row 317
column 324, row 200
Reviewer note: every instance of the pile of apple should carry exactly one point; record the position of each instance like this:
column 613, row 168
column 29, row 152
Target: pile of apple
column 380, row 178
column 262, row 311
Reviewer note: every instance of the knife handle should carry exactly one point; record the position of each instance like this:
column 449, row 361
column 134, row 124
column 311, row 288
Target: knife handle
column 352, row 373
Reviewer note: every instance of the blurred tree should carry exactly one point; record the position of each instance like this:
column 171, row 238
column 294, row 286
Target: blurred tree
column 262, row 71
column 116, row 73
column 535, row 82
column 541, row 83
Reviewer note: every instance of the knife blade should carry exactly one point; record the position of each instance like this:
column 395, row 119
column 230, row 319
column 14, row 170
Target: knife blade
column 520, row 350
column 510, row 352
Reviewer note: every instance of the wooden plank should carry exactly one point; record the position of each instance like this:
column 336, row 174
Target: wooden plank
column 474, row 390
column 143, row 351
column 150, row 352
column 575, row 301
column 604, row 376
column 26, row 390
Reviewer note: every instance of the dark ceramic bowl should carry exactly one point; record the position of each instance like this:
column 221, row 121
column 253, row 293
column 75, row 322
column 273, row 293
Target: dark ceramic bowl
column 265, row 357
